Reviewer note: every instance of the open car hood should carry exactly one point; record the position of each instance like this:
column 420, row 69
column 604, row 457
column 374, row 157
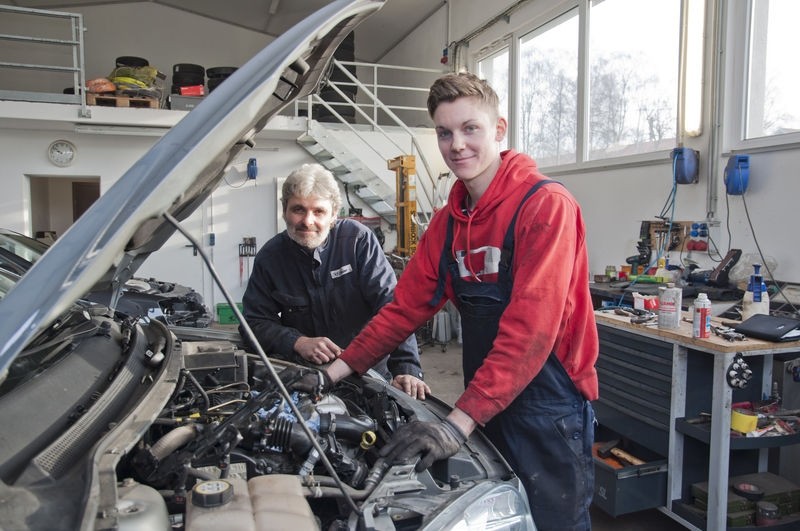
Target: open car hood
column 111, row 239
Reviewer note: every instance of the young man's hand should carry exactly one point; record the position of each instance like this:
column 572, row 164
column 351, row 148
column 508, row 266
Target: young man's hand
column 412, row 386
column 431, row 440
column 317, row 350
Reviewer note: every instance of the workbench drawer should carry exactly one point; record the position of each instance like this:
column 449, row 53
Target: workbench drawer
column 628, row 489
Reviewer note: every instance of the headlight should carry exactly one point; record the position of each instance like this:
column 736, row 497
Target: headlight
column 488, row 506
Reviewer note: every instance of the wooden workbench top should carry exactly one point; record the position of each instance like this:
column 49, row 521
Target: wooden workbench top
column 683, row 335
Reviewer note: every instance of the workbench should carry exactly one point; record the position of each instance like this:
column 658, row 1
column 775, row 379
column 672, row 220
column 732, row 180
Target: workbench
column 652, row 381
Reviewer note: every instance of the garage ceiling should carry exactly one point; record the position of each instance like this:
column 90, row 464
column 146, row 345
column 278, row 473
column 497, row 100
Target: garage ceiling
column 384, row 30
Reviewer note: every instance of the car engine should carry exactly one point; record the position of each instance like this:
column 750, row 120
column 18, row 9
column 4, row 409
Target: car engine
column 228, row 440
column 152, row 428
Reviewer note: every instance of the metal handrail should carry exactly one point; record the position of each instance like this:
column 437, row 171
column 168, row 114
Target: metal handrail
column 75, row 42
column 370, row 90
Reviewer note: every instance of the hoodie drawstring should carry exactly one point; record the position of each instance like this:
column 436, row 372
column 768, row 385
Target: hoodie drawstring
column 467, row 253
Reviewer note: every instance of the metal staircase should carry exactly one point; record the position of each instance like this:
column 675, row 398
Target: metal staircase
column 326, row 149
column 323, row 144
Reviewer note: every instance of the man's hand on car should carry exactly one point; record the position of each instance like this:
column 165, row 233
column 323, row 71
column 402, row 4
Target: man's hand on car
column 431, row 440
column 412, row 386
column 317, row 350
column 306, row 380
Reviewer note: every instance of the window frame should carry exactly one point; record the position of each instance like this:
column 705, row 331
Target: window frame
column 540, row 21
column 735, row 77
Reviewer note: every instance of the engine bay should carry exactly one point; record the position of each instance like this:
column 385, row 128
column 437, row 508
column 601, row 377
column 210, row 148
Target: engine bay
column 227, row 426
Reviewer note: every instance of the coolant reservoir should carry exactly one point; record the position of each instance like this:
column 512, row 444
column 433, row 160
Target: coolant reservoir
column 220, row 504
column 274, row 501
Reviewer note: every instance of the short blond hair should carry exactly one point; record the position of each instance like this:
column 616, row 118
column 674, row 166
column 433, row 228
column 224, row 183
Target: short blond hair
column 452, row 86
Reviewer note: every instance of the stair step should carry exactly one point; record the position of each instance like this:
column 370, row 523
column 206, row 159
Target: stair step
column 339, row 160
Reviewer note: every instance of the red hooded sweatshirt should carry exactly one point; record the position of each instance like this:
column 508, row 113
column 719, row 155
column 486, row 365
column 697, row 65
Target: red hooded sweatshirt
column 550, row 308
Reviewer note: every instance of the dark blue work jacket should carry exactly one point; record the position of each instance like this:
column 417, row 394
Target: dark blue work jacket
column 333, row 292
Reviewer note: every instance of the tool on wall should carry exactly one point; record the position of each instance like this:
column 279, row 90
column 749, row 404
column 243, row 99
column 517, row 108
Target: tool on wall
column 684, row 161
column 737, row 174
column 247, row 249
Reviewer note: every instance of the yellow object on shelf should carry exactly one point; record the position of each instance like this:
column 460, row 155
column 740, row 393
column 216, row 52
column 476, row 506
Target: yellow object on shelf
column 743, row 421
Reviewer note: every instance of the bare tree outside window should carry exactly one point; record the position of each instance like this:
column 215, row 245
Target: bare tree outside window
column 632, row 83
column 549, row 92
column 773, row 108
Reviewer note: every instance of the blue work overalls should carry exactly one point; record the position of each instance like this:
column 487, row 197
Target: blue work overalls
column 546, row 433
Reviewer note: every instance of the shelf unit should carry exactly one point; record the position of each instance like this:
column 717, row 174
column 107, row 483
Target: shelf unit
column 653, row 380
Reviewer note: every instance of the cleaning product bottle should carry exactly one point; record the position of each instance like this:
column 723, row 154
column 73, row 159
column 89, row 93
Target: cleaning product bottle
column 669, row 306
column 701, row 319
column 756, row 298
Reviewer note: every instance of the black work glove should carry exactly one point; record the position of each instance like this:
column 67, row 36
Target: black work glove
column 312, row 381
column 432, row 440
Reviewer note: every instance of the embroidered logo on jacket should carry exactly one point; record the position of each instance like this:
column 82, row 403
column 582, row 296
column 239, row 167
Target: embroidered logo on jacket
column 345, row 269
column 484, row 261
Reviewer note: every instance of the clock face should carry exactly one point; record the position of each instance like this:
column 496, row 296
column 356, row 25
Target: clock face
column 61, row 152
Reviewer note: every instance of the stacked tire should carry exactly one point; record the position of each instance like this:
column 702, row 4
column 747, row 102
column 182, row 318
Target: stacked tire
column 345, row 52
column 187, row 75
column 217, row 75
column 131, row 61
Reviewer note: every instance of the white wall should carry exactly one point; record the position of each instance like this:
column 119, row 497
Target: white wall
column 238, row 208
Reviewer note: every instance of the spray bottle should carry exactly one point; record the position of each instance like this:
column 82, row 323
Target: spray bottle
column 756, row 298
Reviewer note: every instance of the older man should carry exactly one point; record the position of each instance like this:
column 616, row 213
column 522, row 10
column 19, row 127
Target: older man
column 315, row 285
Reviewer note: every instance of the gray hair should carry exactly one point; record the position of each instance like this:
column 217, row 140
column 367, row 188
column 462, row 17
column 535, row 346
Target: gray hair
column 312, row 180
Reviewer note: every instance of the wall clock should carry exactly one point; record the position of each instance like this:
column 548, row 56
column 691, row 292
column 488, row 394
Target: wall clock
column 62, row 152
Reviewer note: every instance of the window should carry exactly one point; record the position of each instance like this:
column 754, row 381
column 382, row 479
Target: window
column 494, row 69
column 772, row 105
column 548, row 99
column 616, row 99
column 633, row 76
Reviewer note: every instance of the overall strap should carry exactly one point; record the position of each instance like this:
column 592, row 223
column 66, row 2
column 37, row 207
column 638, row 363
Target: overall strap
column 443, row 262
column 508, row 242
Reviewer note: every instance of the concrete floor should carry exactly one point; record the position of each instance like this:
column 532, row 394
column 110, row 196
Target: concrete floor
column 443, row 373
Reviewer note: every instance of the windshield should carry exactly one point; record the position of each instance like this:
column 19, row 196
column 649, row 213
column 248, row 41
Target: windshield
column 7, row 281
column 22, row 246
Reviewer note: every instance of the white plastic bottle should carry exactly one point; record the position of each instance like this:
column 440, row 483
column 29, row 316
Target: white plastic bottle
column 756, row 298
column 701, row 319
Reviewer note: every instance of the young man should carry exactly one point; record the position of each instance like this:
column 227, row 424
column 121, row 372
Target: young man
column 510, row 251
column 315, row 285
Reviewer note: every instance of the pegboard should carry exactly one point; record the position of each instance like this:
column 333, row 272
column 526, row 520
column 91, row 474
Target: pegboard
column 678, row 234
